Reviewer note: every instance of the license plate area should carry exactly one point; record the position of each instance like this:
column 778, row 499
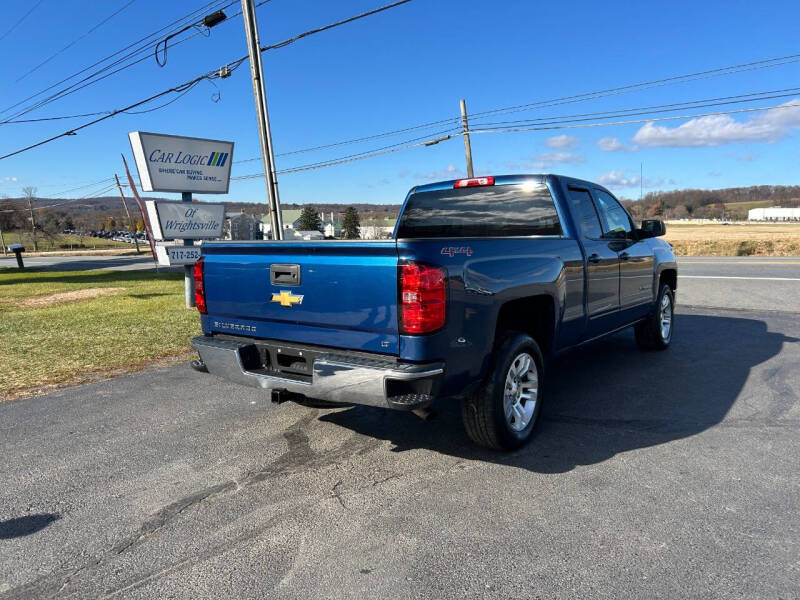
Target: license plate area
column 286, row 360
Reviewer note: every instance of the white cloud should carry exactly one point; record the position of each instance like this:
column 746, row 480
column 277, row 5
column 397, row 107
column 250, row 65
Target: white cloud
column 618, row 179
column 546, row 160
column 449, row 172
column 10, row 180
column 612, row 144
column 717, row 130
column 621, row 179
column 562, row 142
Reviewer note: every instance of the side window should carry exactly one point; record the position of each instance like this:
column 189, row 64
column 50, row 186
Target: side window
column 617, row 223
column 580, row 202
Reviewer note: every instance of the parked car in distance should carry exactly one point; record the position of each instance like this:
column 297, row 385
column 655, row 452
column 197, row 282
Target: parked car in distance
column 485, row 280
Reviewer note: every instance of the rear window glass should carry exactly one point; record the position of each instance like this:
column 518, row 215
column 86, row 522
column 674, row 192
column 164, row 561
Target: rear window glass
column 491, row 211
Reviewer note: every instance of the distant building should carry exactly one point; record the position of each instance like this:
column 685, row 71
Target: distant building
column 240, row 226
column 289, row 218
column 377, row 229
column 331, row 224
column 307, row 235
column 773, row 213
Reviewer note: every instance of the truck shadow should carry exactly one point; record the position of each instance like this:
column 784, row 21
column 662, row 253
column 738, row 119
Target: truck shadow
column 607, row 398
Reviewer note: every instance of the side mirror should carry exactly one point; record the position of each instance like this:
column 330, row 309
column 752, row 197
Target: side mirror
column 652, row 228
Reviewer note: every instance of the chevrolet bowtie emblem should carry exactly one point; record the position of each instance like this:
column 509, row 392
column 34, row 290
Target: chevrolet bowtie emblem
column 287, row 298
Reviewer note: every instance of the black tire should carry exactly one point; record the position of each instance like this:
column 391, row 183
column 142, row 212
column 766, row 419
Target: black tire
column 483, row 412
column 649, row 333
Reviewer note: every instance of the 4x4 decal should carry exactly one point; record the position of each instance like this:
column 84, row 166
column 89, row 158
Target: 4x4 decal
column 451, row 251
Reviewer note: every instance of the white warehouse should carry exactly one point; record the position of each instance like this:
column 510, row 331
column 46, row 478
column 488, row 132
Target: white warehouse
column 773, row 213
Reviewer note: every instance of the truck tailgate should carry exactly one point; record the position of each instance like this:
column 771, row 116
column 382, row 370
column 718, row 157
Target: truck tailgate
column 346, row 296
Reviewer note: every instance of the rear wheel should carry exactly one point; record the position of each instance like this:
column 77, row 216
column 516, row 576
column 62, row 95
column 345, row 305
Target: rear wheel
column 503, row 411
column 655, row 332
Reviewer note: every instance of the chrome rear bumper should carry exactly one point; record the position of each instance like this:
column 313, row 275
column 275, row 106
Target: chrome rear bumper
column 334, row 377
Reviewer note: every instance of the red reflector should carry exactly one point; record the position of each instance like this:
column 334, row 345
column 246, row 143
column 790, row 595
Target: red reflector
column 199, row 288
column 473, row 182
column 423, row 298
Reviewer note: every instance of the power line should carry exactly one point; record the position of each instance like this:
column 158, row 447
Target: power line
column 94, row 194
column 178, row 88
column 95, row 77
column 732, row 69
column 632, row 121
column 554, row 126
column 21, row 19
column 209, row 75
column 82, row 187
column 58, row 118
column 144, row 46
column 593, row 95
column 143, row 51
column 355, row 140
column 659, row 108
column 75, row 41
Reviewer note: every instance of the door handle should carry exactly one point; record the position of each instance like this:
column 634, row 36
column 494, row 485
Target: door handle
column 594, row 258
column 624, row 256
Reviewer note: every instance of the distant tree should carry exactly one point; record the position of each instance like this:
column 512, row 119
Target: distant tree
column 139, row 225
column 350, row 223
column 112, row 223
column 69, row 223
column 680, row 212
column 50, row 225
column 309, row 220
column 30, row 195
column 654, row 210
column 12, row 215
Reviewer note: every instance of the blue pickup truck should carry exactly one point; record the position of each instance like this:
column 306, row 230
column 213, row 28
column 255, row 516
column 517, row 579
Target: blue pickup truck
column 484, row 281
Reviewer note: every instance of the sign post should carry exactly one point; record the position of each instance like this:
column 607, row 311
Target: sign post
column 188, row 271
column 169, row 163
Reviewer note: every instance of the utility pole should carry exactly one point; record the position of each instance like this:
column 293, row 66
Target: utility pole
column 260, row 95
column 641, row 181
column 3, row 242
column 127, row 212
column 467, row 145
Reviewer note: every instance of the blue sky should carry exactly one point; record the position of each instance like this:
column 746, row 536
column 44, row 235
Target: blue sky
column 408, row 66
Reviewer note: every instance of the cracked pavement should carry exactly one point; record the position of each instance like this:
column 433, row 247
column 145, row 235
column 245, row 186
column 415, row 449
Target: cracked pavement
column 656, row 475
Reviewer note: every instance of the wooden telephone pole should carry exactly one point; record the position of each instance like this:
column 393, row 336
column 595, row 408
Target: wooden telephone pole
column 467, row 145
column 127, row 212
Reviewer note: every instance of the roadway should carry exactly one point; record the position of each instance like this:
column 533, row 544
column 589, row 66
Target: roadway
column 657, row 475
column 751, row 283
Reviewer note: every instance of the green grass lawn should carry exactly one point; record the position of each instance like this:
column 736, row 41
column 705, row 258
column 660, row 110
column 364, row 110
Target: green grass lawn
column 44, row 341
column 63, row 241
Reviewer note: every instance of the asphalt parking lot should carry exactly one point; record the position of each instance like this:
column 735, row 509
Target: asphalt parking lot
column 657, row 475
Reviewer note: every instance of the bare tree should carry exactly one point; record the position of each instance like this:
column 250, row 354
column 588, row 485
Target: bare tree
column 30, row 195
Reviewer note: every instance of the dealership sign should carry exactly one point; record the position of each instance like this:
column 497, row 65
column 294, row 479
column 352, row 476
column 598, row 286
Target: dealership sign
column 171, row 163
column 172, row 220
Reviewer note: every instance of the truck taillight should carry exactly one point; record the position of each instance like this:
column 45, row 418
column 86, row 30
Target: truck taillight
column 423, row 298
column 473, row 182
column 199, row 288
